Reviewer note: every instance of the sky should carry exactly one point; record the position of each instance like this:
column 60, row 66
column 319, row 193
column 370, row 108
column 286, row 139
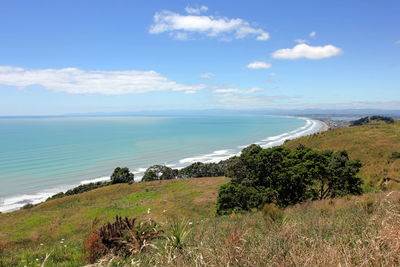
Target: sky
column 85, row 56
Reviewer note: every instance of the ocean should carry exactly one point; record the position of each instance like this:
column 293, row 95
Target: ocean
column 43, row 156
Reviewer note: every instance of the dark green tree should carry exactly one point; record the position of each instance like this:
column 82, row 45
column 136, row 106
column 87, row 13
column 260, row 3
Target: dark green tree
column 199, row 169
column 290, row 176
column 122, row 175
column 159, row 172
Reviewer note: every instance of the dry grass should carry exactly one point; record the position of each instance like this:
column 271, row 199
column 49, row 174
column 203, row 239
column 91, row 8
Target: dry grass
column 342, row 232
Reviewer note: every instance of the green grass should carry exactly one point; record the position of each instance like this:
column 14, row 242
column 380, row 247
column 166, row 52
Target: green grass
column 74, row 217
column 372, row 144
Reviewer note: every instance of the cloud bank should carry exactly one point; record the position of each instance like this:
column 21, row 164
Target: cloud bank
column 307, row 51
column 184, row 26
column 259, row 65
column 77, row 81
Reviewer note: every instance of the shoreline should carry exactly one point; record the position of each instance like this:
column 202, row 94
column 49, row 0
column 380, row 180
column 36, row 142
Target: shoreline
column 311, row 126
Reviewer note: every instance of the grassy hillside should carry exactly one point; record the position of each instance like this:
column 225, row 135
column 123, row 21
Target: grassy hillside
column 352, row 231
column 372, row 144
column 64, row 224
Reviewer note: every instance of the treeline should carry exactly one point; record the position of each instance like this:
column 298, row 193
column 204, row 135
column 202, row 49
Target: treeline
column 153, row 173
column 367, row 120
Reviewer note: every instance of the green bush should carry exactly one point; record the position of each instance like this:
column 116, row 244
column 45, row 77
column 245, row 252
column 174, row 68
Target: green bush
column 199, row 169
column 159, row 172
column 286, row 177
column 122, row 175
column 395, row 155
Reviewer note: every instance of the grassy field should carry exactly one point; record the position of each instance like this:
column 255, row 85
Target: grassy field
column 372, row 144
column 62, row 225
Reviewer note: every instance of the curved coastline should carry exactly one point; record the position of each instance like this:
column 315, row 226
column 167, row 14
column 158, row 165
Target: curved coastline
column 311, row 126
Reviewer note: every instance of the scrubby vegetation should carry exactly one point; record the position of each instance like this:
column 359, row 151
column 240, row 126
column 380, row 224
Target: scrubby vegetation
column 80, row 189
column 123, row 238
column 199, row 169
column 286, row 177
column 372, row 119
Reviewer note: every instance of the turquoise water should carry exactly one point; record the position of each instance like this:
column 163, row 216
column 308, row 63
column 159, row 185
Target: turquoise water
column 42, row 156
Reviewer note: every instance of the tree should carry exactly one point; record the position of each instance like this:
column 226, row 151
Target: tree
column 237, row 198
column 290, row 176
column 159, row 172
column 199, row 169
column 122, row 175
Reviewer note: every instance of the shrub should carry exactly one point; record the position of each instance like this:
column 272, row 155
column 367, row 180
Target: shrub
column 159, row 172
column 80, row 189
column 122, row 175
column 121, row 238
column 179, row 232
column 395, row 155
column 237, row 198
column 286, row 177
column 199, row 169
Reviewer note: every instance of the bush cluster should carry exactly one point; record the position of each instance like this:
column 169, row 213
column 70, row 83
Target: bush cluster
column 286, row 177
column 366, row 120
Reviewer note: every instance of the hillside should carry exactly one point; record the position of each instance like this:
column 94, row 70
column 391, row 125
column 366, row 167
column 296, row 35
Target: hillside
column 71, row 219
column 372, row 144
column 351, row 231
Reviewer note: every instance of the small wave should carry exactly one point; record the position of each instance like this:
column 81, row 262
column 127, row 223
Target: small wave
column 16, row 202
column 100, row 179
column 215, row 156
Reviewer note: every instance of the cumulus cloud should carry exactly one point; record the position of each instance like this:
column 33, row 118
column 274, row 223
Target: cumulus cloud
column 313, row 34
column 196, row 10
column 218, row 27
column 259, row 65
column 307, row 51
column 77, row 81
column 207, row 75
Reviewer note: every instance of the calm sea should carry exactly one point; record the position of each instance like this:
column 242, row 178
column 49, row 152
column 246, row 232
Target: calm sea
column 43, row 156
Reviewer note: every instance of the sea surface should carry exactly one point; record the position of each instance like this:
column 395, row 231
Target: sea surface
column 42, row 156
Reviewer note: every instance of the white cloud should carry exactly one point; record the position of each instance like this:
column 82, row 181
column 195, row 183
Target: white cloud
column 301, row 41
column 397, row 42
column 313, row 34
column 196, row 10
column 207, row 75
column 77, row 81
column 259, row 65
column 307, row 51
column 218, row 27
column 238, row 91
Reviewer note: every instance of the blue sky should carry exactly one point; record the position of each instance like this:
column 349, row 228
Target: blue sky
column 59, row 57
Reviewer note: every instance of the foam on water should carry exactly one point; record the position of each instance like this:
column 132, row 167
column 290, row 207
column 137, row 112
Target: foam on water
column 18, row 201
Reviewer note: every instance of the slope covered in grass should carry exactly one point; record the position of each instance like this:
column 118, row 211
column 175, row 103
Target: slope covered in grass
column 372, row 144
column 64, row 224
